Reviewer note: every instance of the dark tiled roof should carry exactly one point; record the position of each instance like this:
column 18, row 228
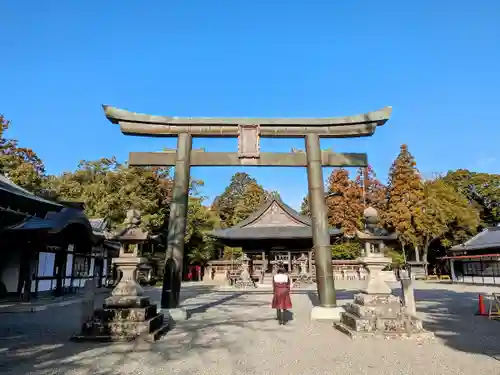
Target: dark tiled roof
column 264, row 233
column 243, row 230
column 100, row 224
column 489, row 238
column 55, row 222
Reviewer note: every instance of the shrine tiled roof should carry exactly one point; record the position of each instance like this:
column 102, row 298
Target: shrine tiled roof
column 273, row 220
column 488, row 238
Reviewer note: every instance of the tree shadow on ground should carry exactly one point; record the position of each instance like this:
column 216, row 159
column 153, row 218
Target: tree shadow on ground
column 451, row 315
column 37, row 344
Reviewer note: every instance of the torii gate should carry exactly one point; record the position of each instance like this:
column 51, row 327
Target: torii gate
column 248, row 131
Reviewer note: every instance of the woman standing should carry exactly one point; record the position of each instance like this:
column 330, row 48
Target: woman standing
column 281, row 294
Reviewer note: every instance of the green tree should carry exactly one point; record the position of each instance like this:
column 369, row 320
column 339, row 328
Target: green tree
column 346, row 250
column 344, row 202
column 253, row 197
column 405, row 193
column 232, row 252
column 444, row 211
column 481, row 189
column 225, row 204
column 304, row 207
column 108, row 189
column 21, row 165
column 199, row 246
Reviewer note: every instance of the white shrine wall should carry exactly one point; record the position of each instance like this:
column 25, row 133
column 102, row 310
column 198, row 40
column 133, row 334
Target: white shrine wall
column 10, row 273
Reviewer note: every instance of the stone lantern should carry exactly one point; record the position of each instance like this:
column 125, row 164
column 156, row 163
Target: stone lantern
column 127, row 314
column 376, row 311
column 373, row 238
column 131, row 239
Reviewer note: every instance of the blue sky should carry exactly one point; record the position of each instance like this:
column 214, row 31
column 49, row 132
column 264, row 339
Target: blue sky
column 435, row 62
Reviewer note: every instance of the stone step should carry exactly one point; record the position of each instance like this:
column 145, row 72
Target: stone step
column 157, row 334
column 419, row 336
column 134, row 314
column 389, row 311
column 126, row 302
column 382, row 325
column 136, row 328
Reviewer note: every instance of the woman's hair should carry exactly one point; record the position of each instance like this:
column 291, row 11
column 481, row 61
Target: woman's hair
column 281, row 270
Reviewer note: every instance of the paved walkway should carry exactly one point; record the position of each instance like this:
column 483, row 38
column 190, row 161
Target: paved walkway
column 231, row 332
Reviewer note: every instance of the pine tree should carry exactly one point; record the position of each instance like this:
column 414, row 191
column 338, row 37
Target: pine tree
column 304, row 207
column 225, row 204
column 253, row 197
column 405, row 193
column 344, row 202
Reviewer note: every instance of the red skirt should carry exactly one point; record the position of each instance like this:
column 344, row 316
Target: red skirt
column 281, row 296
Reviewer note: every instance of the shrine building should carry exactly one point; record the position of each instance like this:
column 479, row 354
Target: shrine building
column 274, row 233
column 48, row 247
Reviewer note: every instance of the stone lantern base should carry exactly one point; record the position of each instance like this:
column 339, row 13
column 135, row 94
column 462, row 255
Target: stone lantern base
column 127, row 314
column 376, row 312
column 374, row 315
column 118, row 321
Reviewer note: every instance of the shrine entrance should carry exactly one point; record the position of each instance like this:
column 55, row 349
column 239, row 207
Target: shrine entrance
column 248, row 131
column 278, row 257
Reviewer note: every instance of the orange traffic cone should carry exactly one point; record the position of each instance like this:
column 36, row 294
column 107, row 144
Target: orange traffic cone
column 481, row 306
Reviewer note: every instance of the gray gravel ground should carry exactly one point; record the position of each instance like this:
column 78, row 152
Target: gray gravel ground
column 231, row 332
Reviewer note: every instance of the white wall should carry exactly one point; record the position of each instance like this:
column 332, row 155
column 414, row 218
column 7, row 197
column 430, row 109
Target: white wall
column 46, row 264
column 10, row 274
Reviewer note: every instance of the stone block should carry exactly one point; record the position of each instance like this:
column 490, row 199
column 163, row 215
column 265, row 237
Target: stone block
column 127, row 328
column 390, row 310
column 136, row 314
column 126, row 302
column 176, row 315
column 327, row 313
column 376, row 299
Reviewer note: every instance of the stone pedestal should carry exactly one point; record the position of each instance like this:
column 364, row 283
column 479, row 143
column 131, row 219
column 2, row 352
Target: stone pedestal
column 417, row 270
column 376, row 312
column 127, row 314
column 175, row 315
column 333, row 314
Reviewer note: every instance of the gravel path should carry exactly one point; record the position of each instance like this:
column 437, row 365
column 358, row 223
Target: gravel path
column 232, row 332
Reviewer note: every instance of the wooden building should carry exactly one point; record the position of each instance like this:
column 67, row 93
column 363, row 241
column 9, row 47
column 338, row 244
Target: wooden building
column 477, row 260
column 48, row 247
column 274, row 233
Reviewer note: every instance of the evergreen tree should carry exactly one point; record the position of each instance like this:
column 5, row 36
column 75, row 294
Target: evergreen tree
column 405, row 193
column 374, row 192
column 344, row 202
column 304, row 207
column 225, row 204
column 253, row 197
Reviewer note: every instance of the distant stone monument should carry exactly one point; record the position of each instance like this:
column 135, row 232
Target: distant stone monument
column 127, row 314
column 304, row 276
column 245, row 279
column 376, row 311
